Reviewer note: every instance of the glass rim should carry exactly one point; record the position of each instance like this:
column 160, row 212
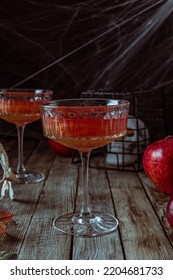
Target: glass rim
column 51, row 104
column 25, row 90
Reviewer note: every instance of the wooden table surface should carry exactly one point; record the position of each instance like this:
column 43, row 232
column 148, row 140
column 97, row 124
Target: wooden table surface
column 143, row 231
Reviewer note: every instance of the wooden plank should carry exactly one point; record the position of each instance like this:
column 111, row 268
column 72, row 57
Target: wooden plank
column 42, row 241
column 139, row 206
column 41, row 158
column 141, row 232
column 23, row 206
column 159, row 201
column 103, row 247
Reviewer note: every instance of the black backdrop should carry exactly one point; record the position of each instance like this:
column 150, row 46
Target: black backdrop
column 72, row 46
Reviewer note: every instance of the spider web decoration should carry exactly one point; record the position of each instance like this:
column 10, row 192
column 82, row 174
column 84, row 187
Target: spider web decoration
column 76, row 45
column 72, row 46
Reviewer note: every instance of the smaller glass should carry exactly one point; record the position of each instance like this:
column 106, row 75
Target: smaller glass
column 20, row 107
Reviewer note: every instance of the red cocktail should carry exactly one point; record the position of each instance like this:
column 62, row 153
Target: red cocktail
column 19, row 111
column 84, row 129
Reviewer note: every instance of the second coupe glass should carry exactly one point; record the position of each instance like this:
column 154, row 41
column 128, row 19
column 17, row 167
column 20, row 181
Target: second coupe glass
column 20, row 107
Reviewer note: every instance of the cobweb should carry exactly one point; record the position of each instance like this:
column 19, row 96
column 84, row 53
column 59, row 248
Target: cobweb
column 72, row 46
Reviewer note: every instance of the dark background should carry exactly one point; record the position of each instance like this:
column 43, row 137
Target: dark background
column 73, row 46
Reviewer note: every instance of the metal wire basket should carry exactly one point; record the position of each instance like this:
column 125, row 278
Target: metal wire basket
column 146, row 124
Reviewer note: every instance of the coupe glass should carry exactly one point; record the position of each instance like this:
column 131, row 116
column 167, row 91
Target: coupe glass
column 20, row 107
column 85, row 124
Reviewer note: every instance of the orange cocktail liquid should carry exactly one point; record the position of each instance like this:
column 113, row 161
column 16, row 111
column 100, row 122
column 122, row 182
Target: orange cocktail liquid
column 19, row 111
column 84, row 134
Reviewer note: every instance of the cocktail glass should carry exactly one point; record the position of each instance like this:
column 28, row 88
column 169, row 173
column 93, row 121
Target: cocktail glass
column 85, row 124
column 20, row 107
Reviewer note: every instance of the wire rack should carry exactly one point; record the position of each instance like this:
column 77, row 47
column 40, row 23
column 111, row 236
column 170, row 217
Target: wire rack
column 146, row 124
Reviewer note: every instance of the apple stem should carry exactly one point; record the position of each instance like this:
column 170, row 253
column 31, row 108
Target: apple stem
column 167, row 137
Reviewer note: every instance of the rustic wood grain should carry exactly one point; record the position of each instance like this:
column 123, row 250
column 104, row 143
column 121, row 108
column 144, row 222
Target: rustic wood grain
column 142, row 234
column 57, row 197
column 143, row 231
column 11, row 147
column 103, row 247
column 25, row 200
column 159, row 202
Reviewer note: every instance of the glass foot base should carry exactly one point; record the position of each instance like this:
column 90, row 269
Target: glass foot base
column 29, row 178
column 95, row 224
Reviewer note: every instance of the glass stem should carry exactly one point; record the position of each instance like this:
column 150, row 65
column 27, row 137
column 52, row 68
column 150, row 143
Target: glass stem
column 85, row 210
column 20, row 167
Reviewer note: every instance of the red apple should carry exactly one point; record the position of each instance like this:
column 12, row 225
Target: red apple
column 169, row 211
column 158, row 164
column 61, row 149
